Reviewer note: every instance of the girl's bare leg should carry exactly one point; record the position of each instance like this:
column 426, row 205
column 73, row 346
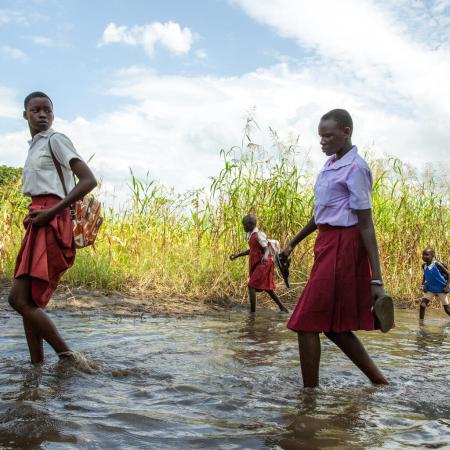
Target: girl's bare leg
column 349, row 343
column 276, row 299
column 309, row 350
column 35, row 343
column 35, row 318
column 252, row 299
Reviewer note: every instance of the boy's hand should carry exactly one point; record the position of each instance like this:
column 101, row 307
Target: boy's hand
column 42, row 217
column 423, row 288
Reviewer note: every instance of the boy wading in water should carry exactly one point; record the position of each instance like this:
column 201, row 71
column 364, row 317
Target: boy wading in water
column 47, row 249
column 434, row 283
column 345, row 287
column 260, row 264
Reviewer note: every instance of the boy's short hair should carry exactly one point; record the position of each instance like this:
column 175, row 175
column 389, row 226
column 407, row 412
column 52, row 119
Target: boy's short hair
column 340, row 116
column 249, row 218
column 428, row 250
column 36, row 94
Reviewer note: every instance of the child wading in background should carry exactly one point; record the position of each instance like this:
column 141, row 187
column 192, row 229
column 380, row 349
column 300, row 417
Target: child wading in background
column 261, row 266
column 48, row 248
column 345, row 281
column 434, row 283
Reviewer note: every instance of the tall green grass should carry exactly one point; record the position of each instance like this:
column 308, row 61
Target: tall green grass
column 169, row 244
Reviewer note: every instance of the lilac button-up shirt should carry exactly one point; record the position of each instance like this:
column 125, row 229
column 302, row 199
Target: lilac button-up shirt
column 343, row 186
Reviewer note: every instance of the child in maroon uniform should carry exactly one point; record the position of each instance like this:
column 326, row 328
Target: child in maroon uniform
column 261, row 267
column 48, row 249
column 345, row 290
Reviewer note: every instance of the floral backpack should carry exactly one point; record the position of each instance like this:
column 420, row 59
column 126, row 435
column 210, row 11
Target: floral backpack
column 85, row 213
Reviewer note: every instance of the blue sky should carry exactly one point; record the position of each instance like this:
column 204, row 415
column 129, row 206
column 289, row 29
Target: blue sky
column 73, row 70
column 161, row 86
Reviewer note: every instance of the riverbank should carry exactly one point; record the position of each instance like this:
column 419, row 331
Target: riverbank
column 85, row 301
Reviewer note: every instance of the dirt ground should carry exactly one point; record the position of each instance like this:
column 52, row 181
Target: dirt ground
column 84, row 300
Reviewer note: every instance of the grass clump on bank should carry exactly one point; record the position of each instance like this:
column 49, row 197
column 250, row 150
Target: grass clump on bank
column 169, row 244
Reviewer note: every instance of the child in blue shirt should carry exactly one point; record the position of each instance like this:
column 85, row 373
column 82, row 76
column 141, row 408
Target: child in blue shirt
column 434, row 283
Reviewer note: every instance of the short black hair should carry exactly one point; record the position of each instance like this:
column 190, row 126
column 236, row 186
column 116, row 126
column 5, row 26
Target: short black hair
column 36, row 94
column 340, row 116
column 429, row 250
column 249, row 218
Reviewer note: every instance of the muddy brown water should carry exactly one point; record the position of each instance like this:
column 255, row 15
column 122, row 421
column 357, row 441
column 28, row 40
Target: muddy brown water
column 227, row 381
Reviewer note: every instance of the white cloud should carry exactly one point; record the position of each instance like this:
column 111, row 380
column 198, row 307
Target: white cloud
column 11, row 16
column 359, row 41
column 169, row 35
column 9, row 108
column 47, row 42
column 174, row 126
column 201, row 53
column 13, row 53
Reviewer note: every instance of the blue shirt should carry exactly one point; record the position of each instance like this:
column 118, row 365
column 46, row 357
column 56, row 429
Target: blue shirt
column 436, row 282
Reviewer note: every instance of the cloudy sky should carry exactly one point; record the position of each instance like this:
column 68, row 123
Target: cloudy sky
column 162, row 86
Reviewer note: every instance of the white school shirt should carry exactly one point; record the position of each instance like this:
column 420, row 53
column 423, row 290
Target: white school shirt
column 40, row 176
column 262, row 238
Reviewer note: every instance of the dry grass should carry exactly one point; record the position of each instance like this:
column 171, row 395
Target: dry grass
column 167, row 244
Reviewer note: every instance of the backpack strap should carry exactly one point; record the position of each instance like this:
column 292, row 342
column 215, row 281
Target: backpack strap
column 57, row 165
column 441, row 267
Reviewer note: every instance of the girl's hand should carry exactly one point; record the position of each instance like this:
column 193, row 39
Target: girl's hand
column 265, row 258
column 233, row 257
column 284, row 254
column 41, row 217
column 377, row 292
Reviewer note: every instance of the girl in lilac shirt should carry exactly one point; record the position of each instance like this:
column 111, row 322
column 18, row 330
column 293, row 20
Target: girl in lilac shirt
column 345, row 290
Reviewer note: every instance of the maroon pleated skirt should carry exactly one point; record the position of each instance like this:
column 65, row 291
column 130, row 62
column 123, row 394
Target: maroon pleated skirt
column 46, row 252
column 337, row 296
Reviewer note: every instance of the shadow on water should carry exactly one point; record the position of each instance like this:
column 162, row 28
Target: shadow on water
column 225, row 382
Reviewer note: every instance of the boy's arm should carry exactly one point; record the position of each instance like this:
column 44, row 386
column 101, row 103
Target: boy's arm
column 424, row 282
column 238, row 255
column 309, row 228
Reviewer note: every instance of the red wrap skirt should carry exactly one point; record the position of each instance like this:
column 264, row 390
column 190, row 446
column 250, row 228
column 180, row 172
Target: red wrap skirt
column 337, row 296
column 46, row 252
column 261, row 274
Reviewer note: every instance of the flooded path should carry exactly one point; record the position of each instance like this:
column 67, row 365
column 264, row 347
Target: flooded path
column 223, row 382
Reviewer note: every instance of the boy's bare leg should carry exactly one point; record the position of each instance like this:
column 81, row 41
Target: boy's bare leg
column 252, row 299
column 276, row 299
column 35, row 343
column 34, row 317
column 423, row 307
column 309, row 352
column 349, row 343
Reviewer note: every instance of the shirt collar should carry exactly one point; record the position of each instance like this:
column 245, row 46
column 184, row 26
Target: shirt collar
column 347, row 159
column 249, row 234
column 42, row 134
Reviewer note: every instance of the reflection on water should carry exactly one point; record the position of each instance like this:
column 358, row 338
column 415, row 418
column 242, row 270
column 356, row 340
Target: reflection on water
column 224, row 382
